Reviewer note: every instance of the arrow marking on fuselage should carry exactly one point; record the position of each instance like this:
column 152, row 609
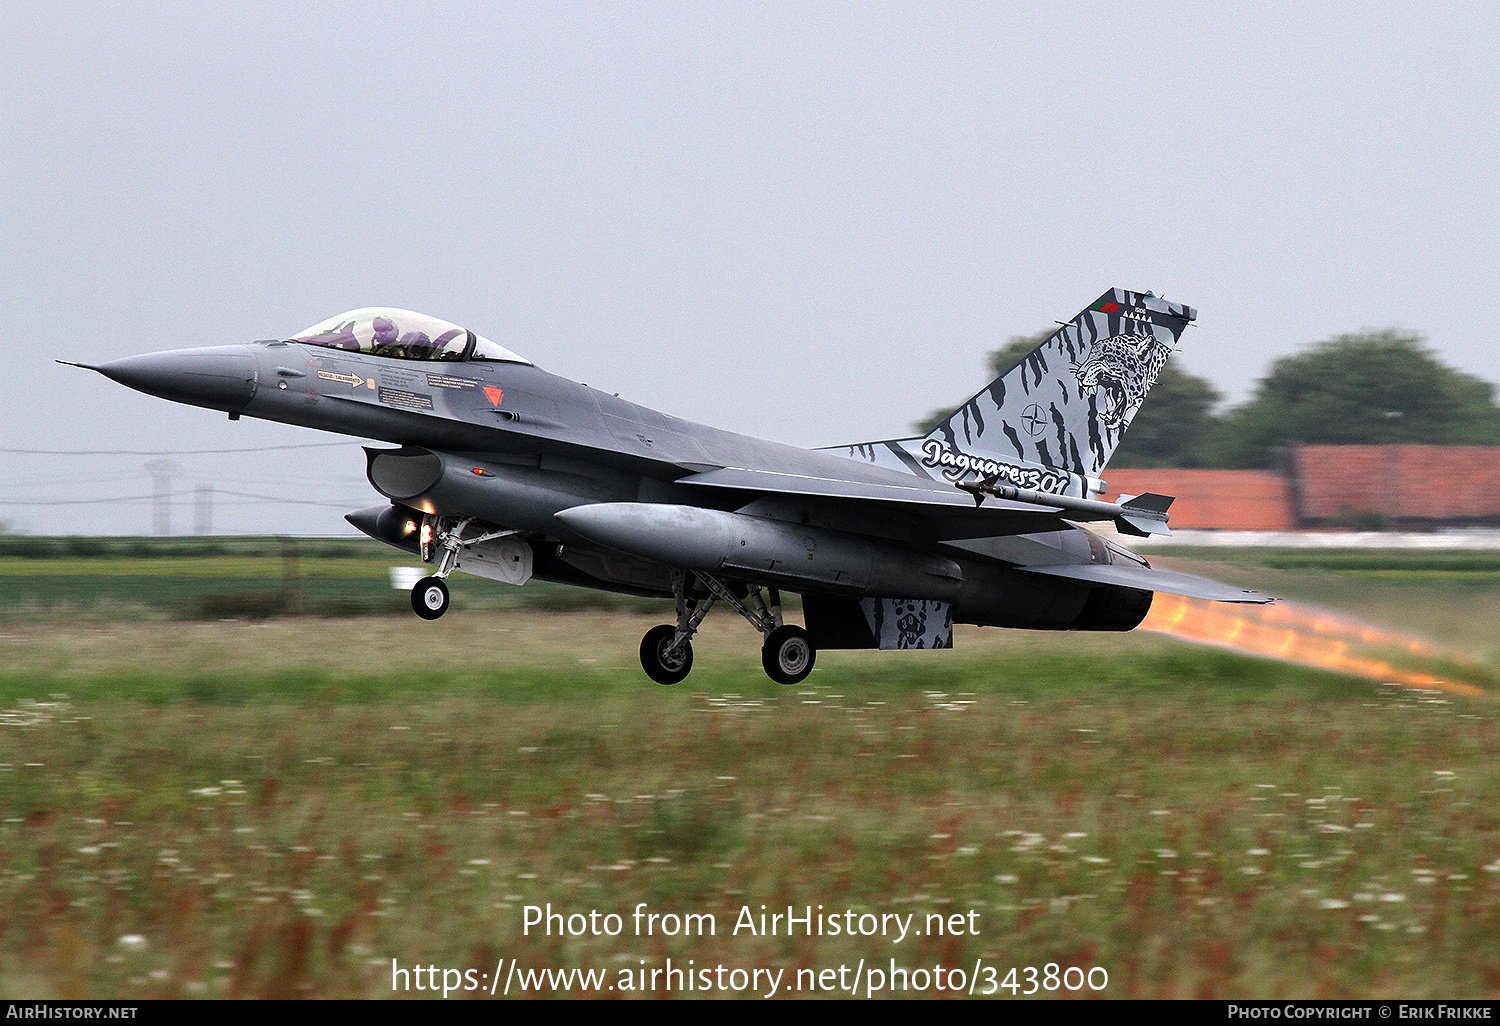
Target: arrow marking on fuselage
column 353, row 380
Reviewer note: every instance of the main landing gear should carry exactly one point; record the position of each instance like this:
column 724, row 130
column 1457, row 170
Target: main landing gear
column 667, row 651
column 664, row 659
column 787, row 654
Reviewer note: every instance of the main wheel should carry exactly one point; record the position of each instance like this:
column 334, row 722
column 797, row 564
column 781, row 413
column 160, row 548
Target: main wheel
column 429, row 598
column 662, row 663
column 788, row 654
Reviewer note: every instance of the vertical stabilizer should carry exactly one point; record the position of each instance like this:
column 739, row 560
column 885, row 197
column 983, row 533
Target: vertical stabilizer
column 1053, row 420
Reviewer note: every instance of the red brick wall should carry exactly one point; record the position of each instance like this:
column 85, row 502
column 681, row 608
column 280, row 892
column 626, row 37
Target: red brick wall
column 1232, row 500
column 1400, row 482
column 1403, row 482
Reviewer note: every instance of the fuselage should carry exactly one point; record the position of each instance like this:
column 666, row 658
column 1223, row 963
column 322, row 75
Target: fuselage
column 519, row 445
column 502, row 470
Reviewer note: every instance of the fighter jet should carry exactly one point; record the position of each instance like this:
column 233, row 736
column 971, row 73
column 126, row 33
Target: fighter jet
column 495, row 467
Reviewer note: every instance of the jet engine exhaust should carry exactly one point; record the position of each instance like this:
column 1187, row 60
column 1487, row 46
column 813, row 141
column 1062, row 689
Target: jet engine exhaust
column 1300, row 634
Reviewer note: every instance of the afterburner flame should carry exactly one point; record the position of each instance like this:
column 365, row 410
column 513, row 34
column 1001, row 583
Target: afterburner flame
column 1297, row 634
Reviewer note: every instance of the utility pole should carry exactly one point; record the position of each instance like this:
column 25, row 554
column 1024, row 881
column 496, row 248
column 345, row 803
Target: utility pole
column 203, row 510
column 291, row 576
column 161, row 472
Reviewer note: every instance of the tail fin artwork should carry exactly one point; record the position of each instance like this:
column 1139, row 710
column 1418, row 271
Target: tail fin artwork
column 1052, row 421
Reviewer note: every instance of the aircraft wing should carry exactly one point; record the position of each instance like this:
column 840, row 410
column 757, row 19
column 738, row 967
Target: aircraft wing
column 947, row 515
column 1151, row 579
column 942, row 513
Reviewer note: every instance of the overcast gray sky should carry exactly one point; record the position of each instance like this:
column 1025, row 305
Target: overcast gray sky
column 808, row 222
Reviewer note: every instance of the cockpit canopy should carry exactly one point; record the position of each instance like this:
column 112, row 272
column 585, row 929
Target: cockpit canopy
column 404, row 335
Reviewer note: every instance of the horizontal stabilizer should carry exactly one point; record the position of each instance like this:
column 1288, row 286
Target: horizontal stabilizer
column 1151, row 579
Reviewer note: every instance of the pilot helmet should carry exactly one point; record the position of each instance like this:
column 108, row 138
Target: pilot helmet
column 385, row 330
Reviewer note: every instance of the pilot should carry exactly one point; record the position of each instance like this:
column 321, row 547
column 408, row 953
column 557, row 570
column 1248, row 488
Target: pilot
column 387, row 338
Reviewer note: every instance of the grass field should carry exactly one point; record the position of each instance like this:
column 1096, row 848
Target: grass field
column 282, row 807
column 87, row 580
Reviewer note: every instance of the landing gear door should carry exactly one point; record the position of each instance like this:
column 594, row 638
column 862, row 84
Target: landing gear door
column 508, row 560
column 909, row 623
column 836, row 622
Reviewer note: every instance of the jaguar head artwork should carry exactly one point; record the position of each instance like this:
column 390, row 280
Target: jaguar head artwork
column 1118, row 373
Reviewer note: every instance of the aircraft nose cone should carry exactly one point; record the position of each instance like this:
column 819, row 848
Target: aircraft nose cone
column 221, row 378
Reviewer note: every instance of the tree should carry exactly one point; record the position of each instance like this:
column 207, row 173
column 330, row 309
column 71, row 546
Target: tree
column 1372, row 388
column 1175, row 426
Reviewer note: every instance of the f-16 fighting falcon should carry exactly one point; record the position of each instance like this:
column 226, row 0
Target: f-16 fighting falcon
column 503, row 470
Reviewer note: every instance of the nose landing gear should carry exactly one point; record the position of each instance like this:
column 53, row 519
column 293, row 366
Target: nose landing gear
column 429, row 598
column 443, row 537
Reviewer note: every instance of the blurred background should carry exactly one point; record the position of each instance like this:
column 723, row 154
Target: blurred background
column 234, row 764
column 807, row 222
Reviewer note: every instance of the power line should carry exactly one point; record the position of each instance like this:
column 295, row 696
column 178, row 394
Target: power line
column 173, row 495
column 76, row 502
column 167, row 452
column 277, row 498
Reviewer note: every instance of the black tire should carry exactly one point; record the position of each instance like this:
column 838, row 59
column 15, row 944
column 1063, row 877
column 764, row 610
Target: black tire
column 659, row 666
column 429, row 598
column 788, row 654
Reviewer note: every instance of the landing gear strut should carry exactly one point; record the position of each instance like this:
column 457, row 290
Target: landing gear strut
column 443, row 537
column 667, row 650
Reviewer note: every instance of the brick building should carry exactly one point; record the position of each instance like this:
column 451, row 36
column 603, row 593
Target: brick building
column 1229, row 500
column 1407, row 486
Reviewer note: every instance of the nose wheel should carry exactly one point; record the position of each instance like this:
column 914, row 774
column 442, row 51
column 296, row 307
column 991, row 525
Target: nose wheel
column 442, row 538
column 429, row 598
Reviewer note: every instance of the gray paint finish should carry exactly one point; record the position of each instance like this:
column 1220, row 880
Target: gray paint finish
column 558, row 479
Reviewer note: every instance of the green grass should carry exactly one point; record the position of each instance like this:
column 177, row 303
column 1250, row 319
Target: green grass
column 33, row 547
column 1345, row 560
column 234, row 587
column 105, row 579
column 281, row 809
